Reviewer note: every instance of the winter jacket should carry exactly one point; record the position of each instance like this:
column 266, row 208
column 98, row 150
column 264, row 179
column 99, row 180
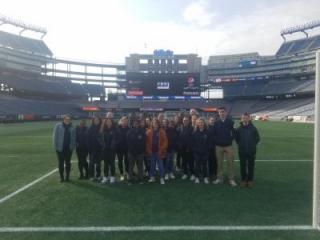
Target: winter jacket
column 121, row 145
column 95, row 141
column 172, row 136
column 210, row 130
column 185, row 138
column 136, row 140
column 162, row 142
column 81, row 137
column 247, row 138
column 59, row 137
column 223, row 132
column 201, row 142
column 110, row 139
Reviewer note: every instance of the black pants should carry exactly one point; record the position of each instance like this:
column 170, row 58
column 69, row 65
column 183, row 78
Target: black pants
column 146, row 161
column 95, row 161
column 187, row 162
column 201, row 162
column 64, row 159
column 247, row 166
column 212, row 162
column 123, row 157
column 82, row 155
column 178, row 158
column 109, row 157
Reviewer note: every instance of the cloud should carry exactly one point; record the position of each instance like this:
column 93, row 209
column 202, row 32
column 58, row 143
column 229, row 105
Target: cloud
column 197, row 14
column 106, row 31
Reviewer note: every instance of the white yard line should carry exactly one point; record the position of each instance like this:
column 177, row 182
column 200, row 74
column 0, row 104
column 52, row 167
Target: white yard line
column 2, row 200
column 158, row 228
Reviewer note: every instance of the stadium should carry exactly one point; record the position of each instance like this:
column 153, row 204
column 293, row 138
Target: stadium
column 37, row 89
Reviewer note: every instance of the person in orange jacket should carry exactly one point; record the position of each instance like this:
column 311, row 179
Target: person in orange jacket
column 156, row 148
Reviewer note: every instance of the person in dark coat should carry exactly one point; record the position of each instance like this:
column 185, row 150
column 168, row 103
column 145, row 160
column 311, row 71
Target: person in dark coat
column 109, row 151
column 82, row 149
column 136, row 139
column 64, row 141
column 201, row 148
column 247, row 138
column 185, row 141
column 95, row 145
column 122, row 147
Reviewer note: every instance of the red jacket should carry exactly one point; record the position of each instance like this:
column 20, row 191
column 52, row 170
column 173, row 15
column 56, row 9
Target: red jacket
column 163, row 142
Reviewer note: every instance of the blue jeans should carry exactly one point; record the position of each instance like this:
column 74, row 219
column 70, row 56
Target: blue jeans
column 155, row 160
column 169, row 162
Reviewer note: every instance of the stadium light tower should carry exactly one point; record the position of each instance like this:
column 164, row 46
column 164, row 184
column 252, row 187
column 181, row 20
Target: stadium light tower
column 316, row 167
column 300, row 28
column 20, row 24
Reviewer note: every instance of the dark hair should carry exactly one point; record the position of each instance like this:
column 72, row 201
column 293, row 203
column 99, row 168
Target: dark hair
column 222, row 108
column 246, row 114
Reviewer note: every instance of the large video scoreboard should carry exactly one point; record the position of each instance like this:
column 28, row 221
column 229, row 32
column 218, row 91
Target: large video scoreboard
column 157, row 84
column 163, row 75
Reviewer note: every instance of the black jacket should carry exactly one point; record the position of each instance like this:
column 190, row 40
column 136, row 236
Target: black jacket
column 223, row 132
column 122, row 145
column 201, row 142
column 172, row 136
column 110, row 139
column 185, row 138
column 95, row 141
column 136, row 140
column 210, row 130
column 247, row 138
column 81, row 138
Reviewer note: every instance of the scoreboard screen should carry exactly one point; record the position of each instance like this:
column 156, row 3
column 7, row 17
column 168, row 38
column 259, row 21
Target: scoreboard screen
column 163, row 84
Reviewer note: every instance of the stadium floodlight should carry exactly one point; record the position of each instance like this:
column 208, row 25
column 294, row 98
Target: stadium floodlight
column 300, row 28
column 25, row 26
column 316, row 167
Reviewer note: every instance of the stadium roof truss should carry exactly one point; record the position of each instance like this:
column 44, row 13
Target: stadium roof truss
column 20, row 24
column 300, row 28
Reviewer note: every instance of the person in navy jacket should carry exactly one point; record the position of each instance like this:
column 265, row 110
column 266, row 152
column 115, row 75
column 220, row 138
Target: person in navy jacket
column 201, row 149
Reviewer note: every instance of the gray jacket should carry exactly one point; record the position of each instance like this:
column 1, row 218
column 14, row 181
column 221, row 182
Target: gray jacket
column 58, row 136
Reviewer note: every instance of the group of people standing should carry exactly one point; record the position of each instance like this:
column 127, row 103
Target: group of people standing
column 151, row 145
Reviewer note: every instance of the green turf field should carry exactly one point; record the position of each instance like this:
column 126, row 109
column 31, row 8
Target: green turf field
column 282, row 195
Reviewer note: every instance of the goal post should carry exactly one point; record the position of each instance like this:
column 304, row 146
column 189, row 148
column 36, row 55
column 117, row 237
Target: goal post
column 316, row 166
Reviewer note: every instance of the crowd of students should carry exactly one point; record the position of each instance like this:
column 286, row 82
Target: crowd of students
column 198, row 147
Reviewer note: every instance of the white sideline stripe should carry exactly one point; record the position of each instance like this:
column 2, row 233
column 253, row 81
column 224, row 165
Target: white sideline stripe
column 2, row 200
column 157, row 228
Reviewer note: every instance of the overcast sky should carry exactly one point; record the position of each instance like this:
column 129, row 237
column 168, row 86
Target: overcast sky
column 109, row 30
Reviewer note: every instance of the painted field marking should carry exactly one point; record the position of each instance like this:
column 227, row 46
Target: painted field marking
column 158, row 228
column 6, row 198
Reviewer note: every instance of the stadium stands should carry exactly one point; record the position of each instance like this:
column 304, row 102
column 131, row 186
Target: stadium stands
column 299, row 46
column 10, row 105
column 24, row 44
column 56, row 86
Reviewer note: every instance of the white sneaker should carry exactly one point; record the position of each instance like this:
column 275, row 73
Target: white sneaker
column 152, row 179
column 112, row 180
column 192, row 178
column 217, row 181
column 232, row 183
column 184, row 177
column 206, row 181
column 162, row 181
column 104, row 180
column 172, row 176
column 166, row 177
column 197, row 181
column 121, row 178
